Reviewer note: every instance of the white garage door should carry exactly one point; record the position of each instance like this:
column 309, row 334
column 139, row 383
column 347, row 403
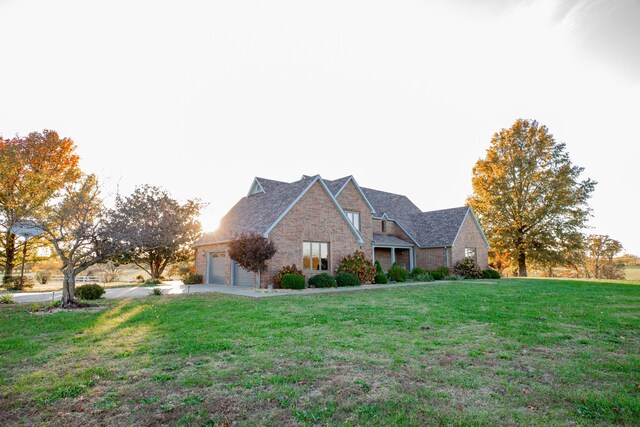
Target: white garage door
column 217, row 266
column 242, row 277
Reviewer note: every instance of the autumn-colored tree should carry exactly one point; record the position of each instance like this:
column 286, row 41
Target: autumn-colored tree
column 78, row 229
column 499, row 260
column 252, row 251
column 528, row 195
column 33, row 169
column 157, row 229
column 599, row 260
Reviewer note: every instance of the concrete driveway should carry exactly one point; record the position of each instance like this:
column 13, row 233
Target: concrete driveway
column 172, row 287
column 177, row 287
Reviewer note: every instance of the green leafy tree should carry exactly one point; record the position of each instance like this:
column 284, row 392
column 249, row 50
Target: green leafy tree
column 156, row 228
column 528, row 195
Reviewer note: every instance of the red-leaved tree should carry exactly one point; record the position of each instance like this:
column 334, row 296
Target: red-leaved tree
column 252, row 251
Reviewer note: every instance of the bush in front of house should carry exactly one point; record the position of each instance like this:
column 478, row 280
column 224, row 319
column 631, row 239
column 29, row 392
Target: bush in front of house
column 292, row 281
column 416, row 272
column 192, row 279
column 490, row 273
column 423, row 277
column 451, row 277
column 437, row 275
column 381, row 279
column 323, row 280
column 287, row 269
column 358, row 264
column 89, row 292
column 378, row 267
column 397, row 273
column 347, row 279
column 467, row 268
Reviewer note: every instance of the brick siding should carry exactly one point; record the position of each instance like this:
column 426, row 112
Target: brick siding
column 316, row 219
column 470, row 237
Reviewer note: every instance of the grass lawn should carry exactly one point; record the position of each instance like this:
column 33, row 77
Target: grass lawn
column 517, row 352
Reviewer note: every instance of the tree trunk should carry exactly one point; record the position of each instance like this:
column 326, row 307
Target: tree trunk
column 522, row 264
column 68, row 288
column 10, row 254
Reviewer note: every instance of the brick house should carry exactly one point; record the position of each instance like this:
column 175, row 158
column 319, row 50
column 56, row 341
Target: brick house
column 315, row 222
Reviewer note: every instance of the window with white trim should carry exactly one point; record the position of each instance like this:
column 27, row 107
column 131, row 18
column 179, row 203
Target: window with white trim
column 315, row 256
column 354, row 218
column 470, row 253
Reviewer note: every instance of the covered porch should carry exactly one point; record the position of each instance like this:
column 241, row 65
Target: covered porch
column 390, row 249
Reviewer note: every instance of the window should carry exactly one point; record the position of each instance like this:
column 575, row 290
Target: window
column 354, row 217
column 315, row 256
column 470, row 253
column 384, row 226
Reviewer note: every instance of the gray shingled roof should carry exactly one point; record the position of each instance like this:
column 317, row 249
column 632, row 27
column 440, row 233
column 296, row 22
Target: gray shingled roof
column 435, row 228
column 258, row 212
column 390, row 203
column 335, row 185
column 427, row 229
column 382, row 239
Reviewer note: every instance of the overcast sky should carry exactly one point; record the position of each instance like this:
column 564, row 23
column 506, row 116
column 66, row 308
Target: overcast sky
column 200, row 97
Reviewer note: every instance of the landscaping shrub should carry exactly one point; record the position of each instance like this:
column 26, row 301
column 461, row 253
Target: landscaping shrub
column 140, row 278
column 358, row 264
column 423, row 277
column 287, row 269
column 378, row 267
column 152, row 281
column 381, row 279
column 192, row 279
column 89, row 291
column 451, row 277
column 398, row 273
column 6, row 299
column 444, row 270
column 156, row 292
column 437, row 275
column 347, row 279
column 42, row 276
column 490, row 273
column 292, row 281
column 323, row 280
column 467, row 269
column 416, row 271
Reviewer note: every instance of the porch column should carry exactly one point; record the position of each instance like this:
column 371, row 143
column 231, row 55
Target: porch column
column 411, row 259
column 393, row 255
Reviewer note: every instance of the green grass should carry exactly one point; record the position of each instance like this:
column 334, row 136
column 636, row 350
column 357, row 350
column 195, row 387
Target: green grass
column 516, row 352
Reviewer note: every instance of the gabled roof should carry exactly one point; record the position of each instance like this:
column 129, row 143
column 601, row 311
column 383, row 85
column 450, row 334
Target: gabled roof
column 260, row 212
column 435, row 228
column 432, row 229
column 391, row 204
column 336, row 186
column 269, row 201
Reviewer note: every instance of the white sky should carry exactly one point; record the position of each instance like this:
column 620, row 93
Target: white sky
column 200, row 97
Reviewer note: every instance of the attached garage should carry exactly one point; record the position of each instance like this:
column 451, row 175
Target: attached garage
column 217, row 267
column 242, row 277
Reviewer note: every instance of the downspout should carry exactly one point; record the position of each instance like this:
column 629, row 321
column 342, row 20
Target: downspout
column 446, row 256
